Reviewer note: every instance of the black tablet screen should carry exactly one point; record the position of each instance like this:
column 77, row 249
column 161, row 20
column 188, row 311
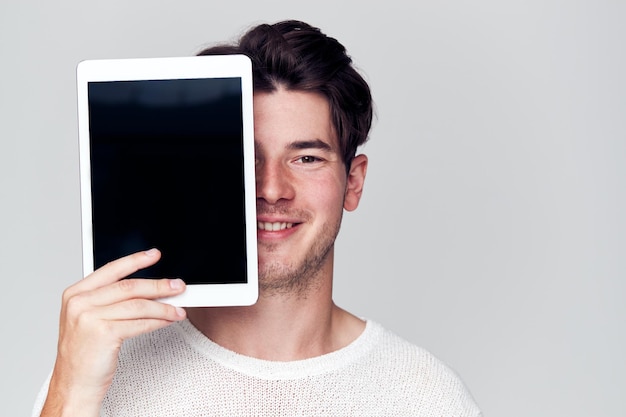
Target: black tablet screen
column 167, row 172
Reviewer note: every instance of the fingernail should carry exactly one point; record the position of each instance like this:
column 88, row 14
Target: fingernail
column 152, row 252
column 176, row 284
column 180, row 311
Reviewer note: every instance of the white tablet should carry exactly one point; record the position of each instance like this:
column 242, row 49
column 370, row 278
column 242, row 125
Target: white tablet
column 167, row 161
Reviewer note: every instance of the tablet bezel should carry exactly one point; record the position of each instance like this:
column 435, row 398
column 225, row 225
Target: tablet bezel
column 216, row 66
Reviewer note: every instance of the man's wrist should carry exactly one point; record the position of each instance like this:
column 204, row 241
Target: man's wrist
column 63, row 401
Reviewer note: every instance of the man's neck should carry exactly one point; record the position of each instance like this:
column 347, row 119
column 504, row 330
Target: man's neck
column 281, row 327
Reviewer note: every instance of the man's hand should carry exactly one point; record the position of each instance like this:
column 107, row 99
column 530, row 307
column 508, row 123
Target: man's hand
column 97, row 315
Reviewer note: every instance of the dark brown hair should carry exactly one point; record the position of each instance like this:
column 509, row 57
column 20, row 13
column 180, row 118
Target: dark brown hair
column 297, row 56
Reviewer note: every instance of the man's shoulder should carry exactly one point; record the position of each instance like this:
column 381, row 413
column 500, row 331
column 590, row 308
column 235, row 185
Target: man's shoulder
column 150, row 349
column 395, row 349
column 418, row 374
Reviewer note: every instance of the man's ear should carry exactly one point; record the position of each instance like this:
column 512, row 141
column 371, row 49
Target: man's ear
column 355, row 181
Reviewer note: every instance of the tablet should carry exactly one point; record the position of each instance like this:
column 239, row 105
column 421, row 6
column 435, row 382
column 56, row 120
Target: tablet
column 167, row 161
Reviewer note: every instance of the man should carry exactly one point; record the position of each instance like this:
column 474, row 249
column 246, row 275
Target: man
column 294, row 352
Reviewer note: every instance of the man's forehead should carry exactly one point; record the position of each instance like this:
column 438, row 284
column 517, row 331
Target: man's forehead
column 316, row 143
column 294, row 119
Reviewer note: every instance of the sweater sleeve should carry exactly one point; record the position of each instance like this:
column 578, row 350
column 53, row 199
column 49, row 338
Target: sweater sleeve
column 41, row 397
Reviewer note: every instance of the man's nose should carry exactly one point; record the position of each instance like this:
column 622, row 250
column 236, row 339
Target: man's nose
column 273, row 182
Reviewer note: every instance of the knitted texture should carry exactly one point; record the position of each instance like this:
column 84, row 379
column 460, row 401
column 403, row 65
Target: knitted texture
column 177, row 371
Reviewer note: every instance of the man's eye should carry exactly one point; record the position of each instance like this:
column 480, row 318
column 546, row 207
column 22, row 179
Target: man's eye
column 308, row 159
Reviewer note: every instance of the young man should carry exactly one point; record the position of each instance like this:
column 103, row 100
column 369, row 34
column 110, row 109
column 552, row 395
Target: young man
column 121, row 353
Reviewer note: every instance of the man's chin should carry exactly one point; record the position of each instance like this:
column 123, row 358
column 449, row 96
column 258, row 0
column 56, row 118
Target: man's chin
column 278, row 278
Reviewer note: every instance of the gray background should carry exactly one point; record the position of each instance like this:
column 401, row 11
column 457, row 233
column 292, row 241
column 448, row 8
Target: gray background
column 491, row 230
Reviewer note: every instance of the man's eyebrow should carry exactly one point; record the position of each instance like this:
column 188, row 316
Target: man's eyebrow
column 310, row 144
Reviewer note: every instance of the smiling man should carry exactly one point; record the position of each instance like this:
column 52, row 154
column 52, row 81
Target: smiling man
column 122, row 353
column 302, row 185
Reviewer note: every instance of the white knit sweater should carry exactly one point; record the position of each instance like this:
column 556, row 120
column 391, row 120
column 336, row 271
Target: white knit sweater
column 177, row 371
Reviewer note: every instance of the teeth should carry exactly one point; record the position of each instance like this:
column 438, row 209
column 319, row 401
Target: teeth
column 273, row 226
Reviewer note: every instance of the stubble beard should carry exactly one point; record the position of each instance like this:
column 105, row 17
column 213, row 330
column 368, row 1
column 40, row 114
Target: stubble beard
column 276, row 278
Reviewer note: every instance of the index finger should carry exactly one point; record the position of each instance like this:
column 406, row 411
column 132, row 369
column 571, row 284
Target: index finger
column 117, row 270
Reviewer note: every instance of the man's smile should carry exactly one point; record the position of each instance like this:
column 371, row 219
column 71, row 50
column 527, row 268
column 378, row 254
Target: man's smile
column 273, row 226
